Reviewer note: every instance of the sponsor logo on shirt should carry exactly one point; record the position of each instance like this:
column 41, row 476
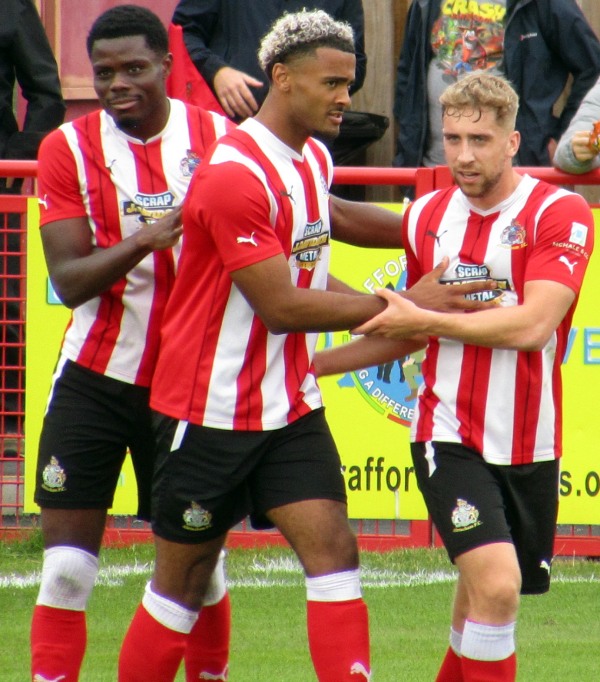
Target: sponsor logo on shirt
column 307, row 250
column 149, row 207
column 473, row 272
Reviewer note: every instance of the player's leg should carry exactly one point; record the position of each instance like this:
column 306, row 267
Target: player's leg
column 77, row 471
column 193, row 508
column 337, row 616
column 72, row 540
column 157, row 637
column 491, row 577
column 299, row 486
column 207, row 651
column 465, row 500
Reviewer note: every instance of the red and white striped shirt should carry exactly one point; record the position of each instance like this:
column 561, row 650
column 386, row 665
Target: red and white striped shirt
column 89, row 168
column 504, row 404
column 218, row 366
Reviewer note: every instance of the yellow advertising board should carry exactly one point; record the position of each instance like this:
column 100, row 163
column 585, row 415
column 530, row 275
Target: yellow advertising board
column 369, row 411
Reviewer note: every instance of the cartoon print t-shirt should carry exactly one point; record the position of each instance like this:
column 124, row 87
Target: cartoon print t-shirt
column 467, row 36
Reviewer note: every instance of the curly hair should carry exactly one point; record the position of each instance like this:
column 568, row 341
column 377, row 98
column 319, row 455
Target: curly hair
column 481, row 91
column 301, row 33
column 129, row 20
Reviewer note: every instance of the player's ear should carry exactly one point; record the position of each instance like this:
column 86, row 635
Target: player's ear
column 167, row 64
column 514, row 142
column 280, row 76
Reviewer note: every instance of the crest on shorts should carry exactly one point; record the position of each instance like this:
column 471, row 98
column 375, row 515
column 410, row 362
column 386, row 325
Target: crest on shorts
column 53, row 476
column 465, row 516
column 196, row 517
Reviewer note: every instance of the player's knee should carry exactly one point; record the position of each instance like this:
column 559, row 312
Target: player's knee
column 500, row 596
column 68, row 576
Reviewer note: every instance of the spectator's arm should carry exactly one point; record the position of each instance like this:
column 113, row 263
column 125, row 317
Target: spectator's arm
column 198, row 19
column 37, row 75
column 573, row 40
column 571, row 154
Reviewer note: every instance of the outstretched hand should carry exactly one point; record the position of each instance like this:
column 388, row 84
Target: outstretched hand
column 431, row 294
column 400, row 320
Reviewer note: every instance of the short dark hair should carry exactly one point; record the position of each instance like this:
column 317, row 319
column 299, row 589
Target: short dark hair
column 299, row 33
column 129, row 20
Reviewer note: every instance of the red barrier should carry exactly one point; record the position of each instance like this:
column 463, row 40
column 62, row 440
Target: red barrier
column 373, row 534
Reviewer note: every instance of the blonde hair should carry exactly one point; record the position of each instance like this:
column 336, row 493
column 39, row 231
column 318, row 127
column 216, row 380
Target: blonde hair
column 301, row 33
column 481, row 91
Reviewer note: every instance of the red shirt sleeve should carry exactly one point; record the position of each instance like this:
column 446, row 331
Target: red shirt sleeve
column 564, row 242
column 238, row 216
column 58, row 184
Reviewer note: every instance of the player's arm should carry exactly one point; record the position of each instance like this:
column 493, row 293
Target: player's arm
column 366, row 351
column 79, row 271
column 285, row 308
column 363, row 224
column 525, row 327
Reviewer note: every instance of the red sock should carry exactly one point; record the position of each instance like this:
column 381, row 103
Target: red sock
column 451, row 670
column 207, row 648
column 504, row 670
column 58, row 639
column 150, row 651
column 338, row 637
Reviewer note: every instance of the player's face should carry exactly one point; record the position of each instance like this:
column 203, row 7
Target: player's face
column 319, row 85
column 129, row 79
column 479, row 153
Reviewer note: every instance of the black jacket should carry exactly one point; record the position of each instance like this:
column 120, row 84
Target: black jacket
column 544, row 42
column 26, row 57
column 221, row 33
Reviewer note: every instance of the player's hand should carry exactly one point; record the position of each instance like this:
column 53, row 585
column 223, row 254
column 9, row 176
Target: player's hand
column 429, row 293
column 400, row 320
column 233, row 90
column 164, row 232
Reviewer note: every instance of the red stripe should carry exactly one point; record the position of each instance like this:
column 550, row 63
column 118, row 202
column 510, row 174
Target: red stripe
column 97, row 349
column 249, row 402
column 428, row 401
column 474, row 381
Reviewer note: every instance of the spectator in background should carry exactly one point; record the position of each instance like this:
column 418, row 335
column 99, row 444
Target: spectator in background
column 26, row 58
column 537, row 44
column 222, row 38
column 111, row 186
column 579, row 147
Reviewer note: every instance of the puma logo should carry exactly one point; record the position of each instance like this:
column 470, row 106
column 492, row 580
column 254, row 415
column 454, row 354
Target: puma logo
column 359, row 669
column 567, row 262
column 40, row 678
column 209, row 676
column 289, row 194
column 437, row 238
column 247, row 240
